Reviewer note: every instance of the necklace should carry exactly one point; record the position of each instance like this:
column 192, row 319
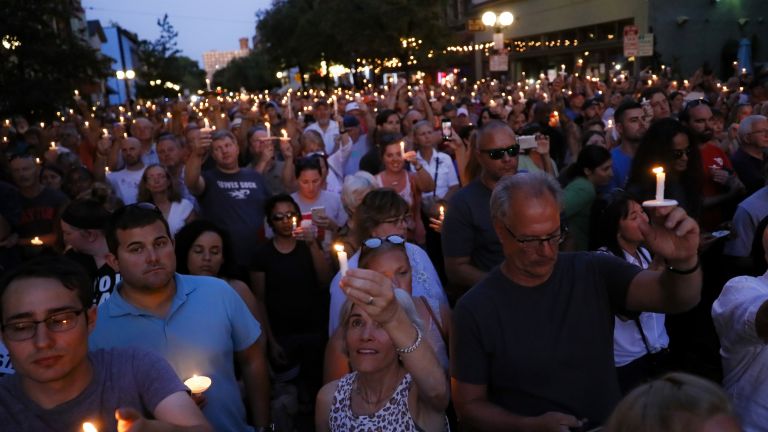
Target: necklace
column 372, row 404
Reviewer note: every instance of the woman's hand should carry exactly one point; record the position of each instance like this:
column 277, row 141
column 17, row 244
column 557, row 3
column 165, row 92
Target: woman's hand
column 372, row 292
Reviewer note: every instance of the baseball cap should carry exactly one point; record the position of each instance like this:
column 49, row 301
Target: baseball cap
column 350, row 120
column 351, row 106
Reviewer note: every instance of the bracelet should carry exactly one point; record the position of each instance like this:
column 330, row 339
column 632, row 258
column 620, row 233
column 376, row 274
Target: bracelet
column 687, row 271
column 414, row 345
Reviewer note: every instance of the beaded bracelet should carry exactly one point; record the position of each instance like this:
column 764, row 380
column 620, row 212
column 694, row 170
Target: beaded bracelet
column 414, row 345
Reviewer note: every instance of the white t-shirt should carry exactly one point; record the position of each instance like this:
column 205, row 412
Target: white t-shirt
column 178, row 214
column 744, row 354
column 126, row 184
column 442, row 164
column 329, row 135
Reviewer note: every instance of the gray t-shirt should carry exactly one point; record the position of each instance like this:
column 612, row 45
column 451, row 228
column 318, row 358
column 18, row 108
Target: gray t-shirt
column 122, row 377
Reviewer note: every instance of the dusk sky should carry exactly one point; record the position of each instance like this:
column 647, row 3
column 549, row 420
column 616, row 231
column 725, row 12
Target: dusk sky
column 203, row 25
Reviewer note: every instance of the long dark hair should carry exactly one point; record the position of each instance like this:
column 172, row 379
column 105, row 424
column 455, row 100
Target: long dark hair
column 607, row 213
column 590, row 157
column 656, row 149
column 186, row 237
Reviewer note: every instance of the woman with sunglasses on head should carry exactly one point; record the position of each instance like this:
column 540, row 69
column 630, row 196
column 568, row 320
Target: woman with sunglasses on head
column 670, row 145
column 409, row 185
column 288, row 276
column 388, row 256
column 593, row 168
column 397, row 383
column 640, row 342
column 159, row 188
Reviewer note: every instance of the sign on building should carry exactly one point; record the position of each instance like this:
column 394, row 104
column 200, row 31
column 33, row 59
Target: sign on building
column 645, row 45
column 499, row 62
column 630, row 40
column 475, row 25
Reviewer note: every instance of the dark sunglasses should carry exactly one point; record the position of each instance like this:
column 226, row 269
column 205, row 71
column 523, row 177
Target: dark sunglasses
column 277, row 217
column 376, row 242
column 678, row 154
column 496, row 154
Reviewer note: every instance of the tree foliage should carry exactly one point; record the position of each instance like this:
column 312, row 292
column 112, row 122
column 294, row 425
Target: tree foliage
column 304, row 32
column 38, row 76
column 161, row 60
column 252, row 72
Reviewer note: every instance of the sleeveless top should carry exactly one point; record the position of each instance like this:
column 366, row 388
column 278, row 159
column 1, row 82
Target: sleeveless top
column 405, row 193
column 394, row 416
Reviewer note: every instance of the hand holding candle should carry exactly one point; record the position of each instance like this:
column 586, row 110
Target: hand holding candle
column 343, row 263
column 198, row 384
column 659, row 200
column 442, row 213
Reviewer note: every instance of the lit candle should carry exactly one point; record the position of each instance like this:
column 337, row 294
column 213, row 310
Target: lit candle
column 86, row 125
column 208, row 84
column 343, row 265
column 660, row 177
column 269, row 129
column 442, row 213
column 198, row 384
column 37, row 161
column 53, row 146
column 36, row 241
column 106, row 132
column 42, row 125
column 402, row 149
column 106, row 170
column 206, row 124
column 285, row 134
column 293, row 223
column 89, row 427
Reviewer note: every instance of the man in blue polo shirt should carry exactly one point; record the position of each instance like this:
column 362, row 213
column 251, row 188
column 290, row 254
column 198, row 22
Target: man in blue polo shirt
column 199, row 324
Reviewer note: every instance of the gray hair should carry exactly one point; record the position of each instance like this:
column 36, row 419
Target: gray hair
column 401, row 296
column 354, row 189
column 745, row 127
column 531, row 184
column 421, row 124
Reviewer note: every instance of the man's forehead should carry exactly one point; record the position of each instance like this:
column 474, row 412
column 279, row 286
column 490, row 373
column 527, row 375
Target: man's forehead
column 701, row 111
column 28, row 295
column 146, row 232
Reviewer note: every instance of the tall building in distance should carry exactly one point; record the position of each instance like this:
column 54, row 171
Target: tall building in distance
column 215, row 60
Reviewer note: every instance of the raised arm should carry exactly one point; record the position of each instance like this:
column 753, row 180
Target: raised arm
column 192, row 168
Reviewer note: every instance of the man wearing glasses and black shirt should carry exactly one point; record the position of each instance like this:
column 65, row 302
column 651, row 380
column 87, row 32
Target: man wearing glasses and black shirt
column 470, row 245
column 532, row 343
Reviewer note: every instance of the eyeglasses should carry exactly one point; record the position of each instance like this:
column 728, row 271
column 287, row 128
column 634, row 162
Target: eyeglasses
column 59, row 323
column 496, row 154
column 531, row 243
column 678, row 154
column 277, row 217
column 376, row 242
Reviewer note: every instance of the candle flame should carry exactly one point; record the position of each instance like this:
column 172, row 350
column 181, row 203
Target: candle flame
column 285, row 133
column 658, row 170
column 338, row 247
column 89, row 427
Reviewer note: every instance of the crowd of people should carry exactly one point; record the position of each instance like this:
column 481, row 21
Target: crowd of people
column 416, row 256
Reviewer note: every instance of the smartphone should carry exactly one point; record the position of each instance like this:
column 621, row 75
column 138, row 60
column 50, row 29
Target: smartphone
column 445, row 125
column 526, row 142
column 317, row 212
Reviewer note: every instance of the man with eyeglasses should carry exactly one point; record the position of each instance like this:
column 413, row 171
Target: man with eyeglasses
column 532, row 344
column 46, row 313
column 470, row 245
column 749, row 159
column 198, row 324
column 719, row 185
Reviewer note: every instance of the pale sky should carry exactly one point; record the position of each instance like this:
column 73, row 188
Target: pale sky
column 203, row 25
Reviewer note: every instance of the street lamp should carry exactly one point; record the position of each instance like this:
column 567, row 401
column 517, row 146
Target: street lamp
column 498, row 22
column 126, row 75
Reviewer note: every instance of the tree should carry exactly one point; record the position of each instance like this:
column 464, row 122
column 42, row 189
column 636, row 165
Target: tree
column 160, row 61
column 42, row 60
column 253, row 72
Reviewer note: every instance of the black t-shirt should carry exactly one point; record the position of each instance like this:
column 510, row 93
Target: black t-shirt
column 548, row 347
column 104, row 278
column 295, row 302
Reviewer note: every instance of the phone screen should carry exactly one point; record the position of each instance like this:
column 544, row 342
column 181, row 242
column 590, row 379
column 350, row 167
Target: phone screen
column 447, row 130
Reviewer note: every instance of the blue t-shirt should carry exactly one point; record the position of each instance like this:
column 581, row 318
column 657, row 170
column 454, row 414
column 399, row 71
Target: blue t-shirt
column 122, row 378
column 206, row 325
column 622, row 163
column 235, row 202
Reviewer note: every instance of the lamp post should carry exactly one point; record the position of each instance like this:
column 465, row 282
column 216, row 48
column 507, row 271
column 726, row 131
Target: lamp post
column 126, row 75
column 497, row 22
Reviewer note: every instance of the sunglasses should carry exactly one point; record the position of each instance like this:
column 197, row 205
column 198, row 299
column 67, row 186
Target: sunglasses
column 678, row 154
column 277, row 217
column 496, row 154
column 376, row 242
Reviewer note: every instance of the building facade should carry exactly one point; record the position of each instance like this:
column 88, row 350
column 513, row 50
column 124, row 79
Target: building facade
column 215, row 60
column 547, row 34
column 122, row 47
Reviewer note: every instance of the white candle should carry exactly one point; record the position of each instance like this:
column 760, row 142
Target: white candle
column 442, row 213
column 293, row 223
column 269, row 129
column 106, row 170
column 89, row 427
column 36, row 241
column 53, row 146
column 37, row 161
column 660, row 177
column 206, row 125
column 198, row 384
column 86, row 125
column 285, row 134
column 208, row 84
column 106, row 132
column 402, row 149
column 343, row 265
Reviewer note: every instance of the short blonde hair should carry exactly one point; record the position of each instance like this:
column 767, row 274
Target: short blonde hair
column 403, row 298
column 669, row 404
